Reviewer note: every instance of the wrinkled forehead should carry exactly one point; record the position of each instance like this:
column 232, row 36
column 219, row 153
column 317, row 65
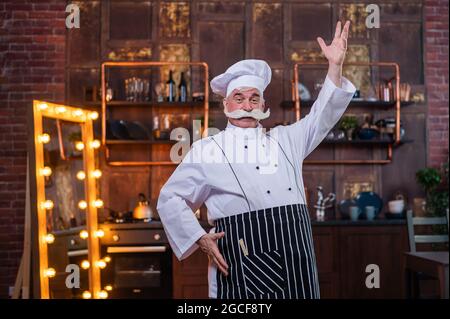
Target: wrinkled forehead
column 245, row 91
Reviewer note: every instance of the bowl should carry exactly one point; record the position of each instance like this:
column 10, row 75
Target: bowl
column 367, row 133
column 396, row 206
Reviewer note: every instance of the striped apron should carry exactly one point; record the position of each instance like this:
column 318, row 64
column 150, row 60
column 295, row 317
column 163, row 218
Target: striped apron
column 269, row 252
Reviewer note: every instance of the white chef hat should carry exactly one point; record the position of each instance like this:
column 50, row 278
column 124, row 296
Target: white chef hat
column 246, row 73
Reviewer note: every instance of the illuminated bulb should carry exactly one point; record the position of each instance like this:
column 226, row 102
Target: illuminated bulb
column 84, row 234
column 99, row 233
column 85, row 264
column 107, row 259
column 49, row 272
column 98, row 203
column 95, row 144
column 108, row 288
column 78, row 112
column 43, row 106
column 82, row 204
column 49, row 238
column 102, row 294
column 60, row 109
column 79, row 146
column 46, row 171
column 93, row 115
column 87, row 295
column 97, row 173
column 48, row 204
column 100, row 263
column 44, row 138
column 81, row 175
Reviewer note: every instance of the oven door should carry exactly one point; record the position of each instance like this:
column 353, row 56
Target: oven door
column 139, row 272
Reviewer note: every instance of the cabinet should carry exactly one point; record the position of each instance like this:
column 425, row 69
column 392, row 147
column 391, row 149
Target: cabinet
column 395, row 103
column 127, row 126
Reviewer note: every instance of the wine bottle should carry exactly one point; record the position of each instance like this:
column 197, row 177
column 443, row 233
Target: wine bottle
column 170, row 88
column 182, row 89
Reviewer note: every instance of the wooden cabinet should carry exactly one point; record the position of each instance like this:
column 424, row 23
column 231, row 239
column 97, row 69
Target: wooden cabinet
column 190, row 276
column 343, row 251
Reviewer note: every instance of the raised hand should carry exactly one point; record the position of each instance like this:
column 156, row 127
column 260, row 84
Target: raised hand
column 335, row 52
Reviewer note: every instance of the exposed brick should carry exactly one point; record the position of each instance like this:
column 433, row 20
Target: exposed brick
column 32, row 52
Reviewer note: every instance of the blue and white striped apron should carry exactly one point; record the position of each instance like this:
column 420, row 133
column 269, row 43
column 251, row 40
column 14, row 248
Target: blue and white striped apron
column 269, row 252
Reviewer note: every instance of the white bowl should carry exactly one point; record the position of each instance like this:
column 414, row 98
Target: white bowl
column 396, row 206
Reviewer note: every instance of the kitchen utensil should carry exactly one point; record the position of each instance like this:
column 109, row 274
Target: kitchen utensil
column 118, row 130
column 396, row 206
column 354, row 212
column 367, row 133
column 370, row 212
column 344, row 207
column 364, row 199
column 143, row 209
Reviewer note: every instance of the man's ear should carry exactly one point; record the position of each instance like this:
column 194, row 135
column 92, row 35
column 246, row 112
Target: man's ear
column 225, row 103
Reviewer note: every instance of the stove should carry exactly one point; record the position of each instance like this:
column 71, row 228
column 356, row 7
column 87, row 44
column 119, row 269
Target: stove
column 141, row 259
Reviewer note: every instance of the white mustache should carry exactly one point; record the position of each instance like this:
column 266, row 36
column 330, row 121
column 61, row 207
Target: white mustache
column 257, row 114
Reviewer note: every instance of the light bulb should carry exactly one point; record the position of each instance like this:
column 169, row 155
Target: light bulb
column 102, row 294
column 81, row 175
column 97, row 173
column 87, row 295
column 98, row 203
column 60, row 109
column 78, row 112
column 99, row 233
column 49, row 238
column 84, row 234
column 95, row 144
column 43, row 106
column 107, row 259
column 100, row 263
column 49, row 272
column 82, row 204
column 79, row 146
column 93, row 115
column 46, row 171
column 48, row 204
column 44, row 138
column 85, row 264
column 108, row 288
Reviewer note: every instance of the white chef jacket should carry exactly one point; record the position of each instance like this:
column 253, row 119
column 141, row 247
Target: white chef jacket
column 260, row 174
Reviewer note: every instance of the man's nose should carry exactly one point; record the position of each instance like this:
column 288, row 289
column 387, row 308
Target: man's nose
column 246, row 106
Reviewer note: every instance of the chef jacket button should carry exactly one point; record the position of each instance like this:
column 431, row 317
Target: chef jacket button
column 268, row 192
column 257, row 167
column 276, row 165
column 289, row 188
column 245, row 146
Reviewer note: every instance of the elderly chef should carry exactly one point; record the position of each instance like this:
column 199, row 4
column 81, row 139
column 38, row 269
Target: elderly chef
column 251, row 183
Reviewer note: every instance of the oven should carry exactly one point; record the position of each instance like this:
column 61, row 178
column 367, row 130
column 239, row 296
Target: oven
column 141, row 262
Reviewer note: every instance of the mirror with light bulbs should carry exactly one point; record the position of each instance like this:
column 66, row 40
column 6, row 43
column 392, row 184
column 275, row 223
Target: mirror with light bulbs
column 66, row 202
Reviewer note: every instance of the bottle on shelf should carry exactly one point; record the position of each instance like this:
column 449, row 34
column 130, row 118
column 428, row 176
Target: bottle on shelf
column 182, row 89
column 170, row 88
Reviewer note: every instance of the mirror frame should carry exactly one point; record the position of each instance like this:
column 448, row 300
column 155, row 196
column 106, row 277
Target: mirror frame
column 43, row 109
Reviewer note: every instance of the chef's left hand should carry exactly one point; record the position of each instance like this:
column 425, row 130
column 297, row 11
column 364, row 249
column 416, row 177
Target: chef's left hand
column 335, row 52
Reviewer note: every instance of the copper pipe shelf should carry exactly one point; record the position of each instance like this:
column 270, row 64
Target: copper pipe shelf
column 105, row 104
column 396, row 104
column 373, row 104
column 121, row 142
column 368, row 142
column 155, row 104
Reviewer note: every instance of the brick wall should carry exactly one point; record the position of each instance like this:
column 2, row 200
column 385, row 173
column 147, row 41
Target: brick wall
column 32, row 58
column 436, row 78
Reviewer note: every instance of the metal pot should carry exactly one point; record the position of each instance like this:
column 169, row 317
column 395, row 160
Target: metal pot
column 143, row 209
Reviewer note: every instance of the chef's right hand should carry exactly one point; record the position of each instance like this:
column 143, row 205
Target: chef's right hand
column 208, row 244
